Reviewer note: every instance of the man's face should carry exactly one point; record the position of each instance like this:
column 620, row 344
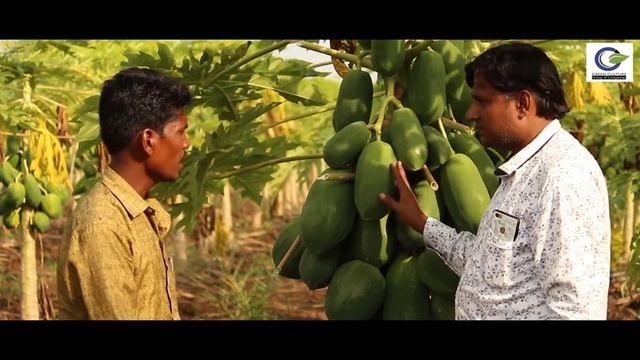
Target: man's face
column 166, row 161
column 494, row 113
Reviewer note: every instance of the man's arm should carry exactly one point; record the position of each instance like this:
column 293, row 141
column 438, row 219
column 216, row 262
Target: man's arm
column 101, row 262
column 453, row 246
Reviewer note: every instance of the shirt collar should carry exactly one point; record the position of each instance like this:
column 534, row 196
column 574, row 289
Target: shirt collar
column 120, row 188
column 516, row 161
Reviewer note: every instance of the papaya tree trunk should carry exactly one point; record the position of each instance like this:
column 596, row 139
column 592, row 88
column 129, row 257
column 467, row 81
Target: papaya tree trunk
column 289, row 197
column 179, row 241
column 266, row 203
column 303, row 193
column 256, row 217
column 295, row 192
column 279, row 211
column 28, row 271
column 627, row 233
column 227, row 218
column 636, row 216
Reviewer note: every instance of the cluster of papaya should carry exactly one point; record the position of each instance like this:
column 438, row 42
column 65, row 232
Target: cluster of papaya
column 21, row 190
column 375, row 266
column 91, row 174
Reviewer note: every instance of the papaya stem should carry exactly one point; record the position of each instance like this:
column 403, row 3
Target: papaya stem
column 324, row 63
column 286, row 257
column 430, row 178
column 337, row 176
column 335, row 53
column 456, row 126
column 361, row 56
column 391, row 82
column 415, row 51
column 444, row 133
column 397, row 102
column 450, row 110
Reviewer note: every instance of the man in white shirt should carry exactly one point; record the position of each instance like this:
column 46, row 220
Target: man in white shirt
column 553, row 260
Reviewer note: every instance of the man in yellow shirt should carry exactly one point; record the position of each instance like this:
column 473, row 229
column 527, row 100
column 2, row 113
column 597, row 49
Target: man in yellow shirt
column 114, row 264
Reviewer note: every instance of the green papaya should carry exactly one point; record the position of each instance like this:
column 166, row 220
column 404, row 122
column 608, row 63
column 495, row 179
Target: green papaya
column 465, row 195
column 32, row 189
column 51, row 205
column 373, row 176
column 15, row 195
column 460, row 107
column 454, row 67
column 468, row 144
column 13, row 144
column 4, row 205
column 369, row 242
column 427, row 87
column 407, row 139
column 12, row 220
column 41, row 221
column 435, row 273
column 355, row 98
column 442, row 306
column 406, row 297
column 407, row 237
column 387, row 56
column 345, row 146
column 316, row 270
column 287, row 237
column 458, row 43
column 439, row 151
column 495, row 156
column 356, row 292
column 89, row 170
column 8, row 173
column 365, row 44
column 327, row 214
column 14, row 160
column 60, row 191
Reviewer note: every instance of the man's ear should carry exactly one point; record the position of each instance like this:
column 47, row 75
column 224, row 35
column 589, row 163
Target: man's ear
column 524, row 103
column 148, row 139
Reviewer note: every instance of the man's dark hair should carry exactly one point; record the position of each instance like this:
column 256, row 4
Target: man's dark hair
column 136, row 99
column 517, row 66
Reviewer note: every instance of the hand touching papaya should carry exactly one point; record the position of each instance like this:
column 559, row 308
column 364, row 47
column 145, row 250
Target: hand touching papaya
column 406, row 206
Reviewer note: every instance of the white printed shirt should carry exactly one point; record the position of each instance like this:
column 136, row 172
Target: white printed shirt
column 556, row 266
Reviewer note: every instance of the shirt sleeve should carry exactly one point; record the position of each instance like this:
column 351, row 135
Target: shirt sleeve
column 101, row 261
column 454, row 246
column 572, row 247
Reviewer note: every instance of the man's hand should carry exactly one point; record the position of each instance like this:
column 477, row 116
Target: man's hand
column 407, row 206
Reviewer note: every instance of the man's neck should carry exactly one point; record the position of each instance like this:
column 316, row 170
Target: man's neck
column 533, row 129
column 133, row 173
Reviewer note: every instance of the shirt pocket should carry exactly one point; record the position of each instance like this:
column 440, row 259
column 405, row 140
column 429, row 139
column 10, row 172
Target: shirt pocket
column 498, row 264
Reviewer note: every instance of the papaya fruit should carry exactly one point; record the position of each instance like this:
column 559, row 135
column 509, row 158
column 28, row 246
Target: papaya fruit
column 356, row 292
column 387, row 56
column 288, row 235
column 345, row 146
column 355, row 98
column 407, row 139
column 406, row 298
column 327, row 214
column 465, row 195
column 373, row 176
column 426, row 92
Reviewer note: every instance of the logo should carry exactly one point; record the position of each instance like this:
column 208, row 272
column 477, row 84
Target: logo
column 610, row 62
